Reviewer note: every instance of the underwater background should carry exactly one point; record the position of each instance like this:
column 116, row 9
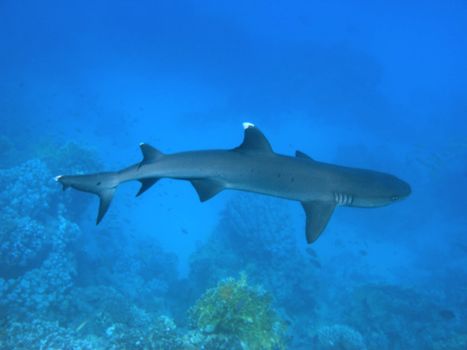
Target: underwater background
column 372, row 84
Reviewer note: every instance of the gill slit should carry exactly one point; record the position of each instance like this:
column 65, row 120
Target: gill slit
column 343, row 198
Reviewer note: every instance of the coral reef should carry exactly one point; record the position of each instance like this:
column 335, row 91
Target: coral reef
column 390, row 315
column 338, row 337
column 40, row 334
column 39, row 289
column 27, row 189
column 264, row 246
column 261, row 244
column 35, row 267
column 237, row 310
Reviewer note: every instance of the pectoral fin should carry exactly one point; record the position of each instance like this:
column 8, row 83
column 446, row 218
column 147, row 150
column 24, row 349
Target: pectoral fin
column 318, row 214
column 206, row 188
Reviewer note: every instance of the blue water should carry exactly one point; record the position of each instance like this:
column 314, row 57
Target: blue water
column 379, row 85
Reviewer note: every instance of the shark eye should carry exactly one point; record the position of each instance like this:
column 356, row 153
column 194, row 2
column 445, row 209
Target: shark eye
column 394, row 198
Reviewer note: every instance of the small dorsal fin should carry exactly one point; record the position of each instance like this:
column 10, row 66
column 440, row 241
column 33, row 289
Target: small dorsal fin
column 150, row 154
column 300, row 154
column 254, row 140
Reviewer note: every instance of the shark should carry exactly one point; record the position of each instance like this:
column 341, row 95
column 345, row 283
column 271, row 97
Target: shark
column 253, row 166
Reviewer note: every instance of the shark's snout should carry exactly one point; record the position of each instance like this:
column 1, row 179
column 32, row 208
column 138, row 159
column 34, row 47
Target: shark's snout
column 402, row 191
column 407, row 190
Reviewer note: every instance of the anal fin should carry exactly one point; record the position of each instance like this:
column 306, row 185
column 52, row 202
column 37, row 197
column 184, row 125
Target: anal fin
column 318, row 214
column 105, row 197
column 206, row 188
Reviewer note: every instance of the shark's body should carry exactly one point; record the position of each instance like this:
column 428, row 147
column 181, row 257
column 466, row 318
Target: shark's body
column 254, row 167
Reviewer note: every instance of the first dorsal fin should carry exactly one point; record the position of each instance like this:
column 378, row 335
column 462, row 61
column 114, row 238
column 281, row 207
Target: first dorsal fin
column 254, row 140
column 150, row 154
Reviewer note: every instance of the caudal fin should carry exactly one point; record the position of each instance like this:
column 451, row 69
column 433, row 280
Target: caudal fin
column 101, row 184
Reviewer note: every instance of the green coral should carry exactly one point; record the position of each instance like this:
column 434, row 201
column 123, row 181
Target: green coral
column 238, row 310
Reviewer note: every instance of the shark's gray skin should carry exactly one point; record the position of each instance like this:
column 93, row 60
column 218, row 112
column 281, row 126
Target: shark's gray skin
column 254, row 167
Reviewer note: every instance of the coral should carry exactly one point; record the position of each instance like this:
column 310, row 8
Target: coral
column 105, row 312
column 34, row 264
column 39, row 289
column 163, row 334
column 27, row 189
column 41, row 334
column 30, row 227
column 22, row 240
column 235, row 309
column 155, row 334
column 195, row 339
column 142, row 273
column 389, row 316
column 339, row 337
column 99, row 307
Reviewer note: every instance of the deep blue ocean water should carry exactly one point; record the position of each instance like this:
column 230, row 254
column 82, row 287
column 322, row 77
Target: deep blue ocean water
column 379, row 85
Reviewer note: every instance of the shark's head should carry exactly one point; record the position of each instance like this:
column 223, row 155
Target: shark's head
column 380, row 189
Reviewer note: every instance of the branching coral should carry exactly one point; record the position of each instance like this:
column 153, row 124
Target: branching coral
column 236, row 309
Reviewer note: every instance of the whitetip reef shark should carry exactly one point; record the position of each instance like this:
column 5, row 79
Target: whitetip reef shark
column 254, row 167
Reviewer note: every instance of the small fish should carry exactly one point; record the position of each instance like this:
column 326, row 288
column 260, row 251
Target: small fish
column 363, row 252
column 311, row 252
column 184, row 231
column 447, row 314
column 81, row 326
column 338, row 243
column 315, row 263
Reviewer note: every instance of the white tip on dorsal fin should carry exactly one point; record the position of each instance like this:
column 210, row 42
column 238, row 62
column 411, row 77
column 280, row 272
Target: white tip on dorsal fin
column 150, row 154
column 247, row 125
column 57, row 178
column 253, row 140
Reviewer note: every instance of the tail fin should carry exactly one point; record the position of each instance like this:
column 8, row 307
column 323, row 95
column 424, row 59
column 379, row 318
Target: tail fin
column 101, row 184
